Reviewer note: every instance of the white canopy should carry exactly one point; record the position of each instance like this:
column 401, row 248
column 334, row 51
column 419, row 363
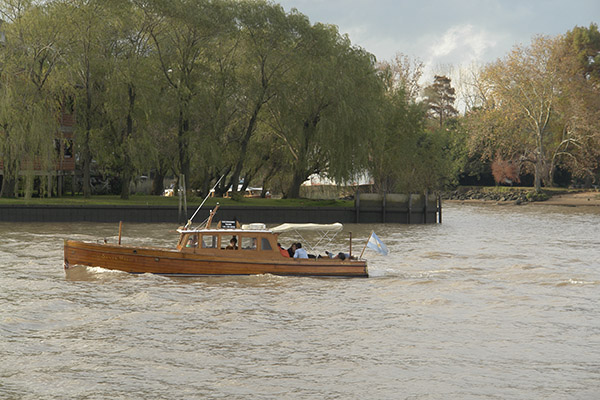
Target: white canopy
column 308, row 227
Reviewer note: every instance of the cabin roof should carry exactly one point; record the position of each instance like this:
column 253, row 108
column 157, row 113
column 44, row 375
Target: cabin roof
column 260, row 228
column 336, row 227
column 224, row 231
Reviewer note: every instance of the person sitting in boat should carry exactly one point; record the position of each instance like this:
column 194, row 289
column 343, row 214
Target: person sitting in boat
column 192, row 241
column 283, row 251
column 339, row 256
column 232, row 244
column 300, row 252
column 292, row 250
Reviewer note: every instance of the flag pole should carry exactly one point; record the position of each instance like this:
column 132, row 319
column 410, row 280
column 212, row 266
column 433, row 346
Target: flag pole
column 364, row 248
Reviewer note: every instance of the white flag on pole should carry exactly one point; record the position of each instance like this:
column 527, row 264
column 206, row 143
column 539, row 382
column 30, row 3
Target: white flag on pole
column 376, row 244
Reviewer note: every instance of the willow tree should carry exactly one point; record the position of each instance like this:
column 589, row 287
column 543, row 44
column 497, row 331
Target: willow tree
column 87, row 55
column 325, row 109
column 398, row 154
column 119, row 146
column 185, row 34
column 268, row 41
column 28, row 105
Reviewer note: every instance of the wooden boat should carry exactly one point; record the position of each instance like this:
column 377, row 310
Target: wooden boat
column 205, row 251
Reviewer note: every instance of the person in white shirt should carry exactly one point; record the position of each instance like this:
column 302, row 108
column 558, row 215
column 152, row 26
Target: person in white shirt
column 300, row 252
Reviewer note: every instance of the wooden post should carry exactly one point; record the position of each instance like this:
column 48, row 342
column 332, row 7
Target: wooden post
column 73, row 183
column 184, row 197
column 409, row 208
column 357, row 205
column 439, row 208
column 364, row 248
column 426, row 198
column 179, row 194
column 120, row 229
column 350, row 245
column 383, row 208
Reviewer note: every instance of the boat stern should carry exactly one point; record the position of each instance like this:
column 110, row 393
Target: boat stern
column 65, row 260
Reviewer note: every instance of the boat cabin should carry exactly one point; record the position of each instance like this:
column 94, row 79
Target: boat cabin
column 229, row 236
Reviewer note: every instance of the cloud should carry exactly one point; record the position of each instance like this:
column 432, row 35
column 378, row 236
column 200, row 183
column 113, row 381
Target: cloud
column 462, row 42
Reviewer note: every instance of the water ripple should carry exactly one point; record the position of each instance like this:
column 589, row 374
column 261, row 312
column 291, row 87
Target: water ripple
column 473, row 305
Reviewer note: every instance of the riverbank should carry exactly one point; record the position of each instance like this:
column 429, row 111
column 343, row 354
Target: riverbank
column 524, row 196
column 575, row 199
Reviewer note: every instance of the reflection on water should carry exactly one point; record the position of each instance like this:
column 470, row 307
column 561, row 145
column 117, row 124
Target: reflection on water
column 497, row 302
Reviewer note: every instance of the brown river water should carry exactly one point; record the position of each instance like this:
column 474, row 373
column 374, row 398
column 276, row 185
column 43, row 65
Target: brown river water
column 498, row 302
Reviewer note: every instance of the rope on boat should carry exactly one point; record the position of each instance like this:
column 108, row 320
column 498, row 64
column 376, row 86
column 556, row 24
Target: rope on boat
column 203, row 201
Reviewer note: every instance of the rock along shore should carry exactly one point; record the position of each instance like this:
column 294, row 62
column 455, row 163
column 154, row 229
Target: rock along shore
column 518, row 197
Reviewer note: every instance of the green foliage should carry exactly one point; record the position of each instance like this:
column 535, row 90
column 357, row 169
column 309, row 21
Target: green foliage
column 204, row 89
column 27, row 107
column 405, row 156
column 537, row 196
column 325, row 109
column 585, row 42
column 237, row 197
column 439, row 99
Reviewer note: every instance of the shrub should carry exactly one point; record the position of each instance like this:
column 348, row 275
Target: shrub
column 237, row 197
column 537, row 196
column 505, row 172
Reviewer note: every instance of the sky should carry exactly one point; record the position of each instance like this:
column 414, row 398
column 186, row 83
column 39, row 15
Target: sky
column 456, row 33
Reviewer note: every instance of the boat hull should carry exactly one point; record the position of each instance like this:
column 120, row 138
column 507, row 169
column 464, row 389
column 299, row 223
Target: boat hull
column 164, row 261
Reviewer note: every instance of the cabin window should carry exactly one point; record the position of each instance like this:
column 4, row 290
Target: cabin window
column 192, row 241
column 209, row 241
column 265, row 245
column 249, row 243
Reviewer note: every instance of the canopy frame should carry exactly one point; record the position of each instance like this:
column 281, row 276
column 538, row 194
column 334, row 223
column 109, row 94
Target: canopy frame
column 328, row 232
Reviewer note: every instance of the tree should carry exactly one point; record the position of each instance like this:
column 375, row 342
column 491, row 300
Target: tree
column 87, row 55
column 439, row 98
column 129, row 94
column 585, row 42
column 403, row 73
column 185, row 34
column 533, row 113
column 29, row 105
column 581, row 102
column 267, row 41
column 323, row 115
column 524, row 92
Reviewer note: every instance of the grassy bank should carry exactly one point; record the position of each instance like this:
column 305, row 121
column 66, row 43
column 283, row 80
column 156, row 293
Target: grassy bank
column 145, row 200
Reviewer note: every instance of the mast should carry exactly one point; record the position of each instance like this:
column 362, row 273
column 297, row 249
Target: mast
column 210, row 217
